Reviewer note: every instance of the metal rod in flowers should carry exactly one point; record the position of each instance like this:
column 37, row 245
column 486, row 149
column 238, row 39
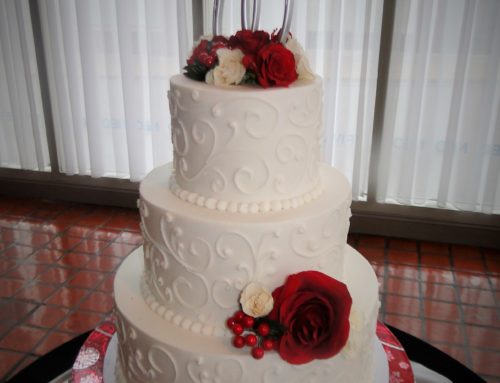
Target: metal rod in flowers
column 255, row 15
column 217, row 17
column 243, row 14
column 287, row 21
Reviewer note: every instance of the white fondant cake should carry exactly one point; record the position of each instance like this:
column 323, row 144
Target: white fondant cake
column 246, row 201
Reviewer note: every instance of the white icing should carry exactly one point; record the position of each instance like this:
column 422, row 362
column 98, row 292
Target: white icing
column 246, row 144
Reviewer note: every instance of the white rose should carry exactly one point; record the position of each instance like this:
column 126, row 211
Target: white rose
column 209, row 77
column 256, row 301
column 301, row 62
column 303, row 69
column 294, row 46
column 230, row 70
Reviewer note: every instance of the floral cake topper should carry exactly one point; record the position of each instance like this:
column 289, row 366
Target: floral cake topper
column 248, row 57
column 307, row 318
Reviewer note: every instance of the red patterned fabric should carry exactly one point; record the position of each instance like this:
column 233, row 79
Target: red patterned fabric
column 400, row 370
column 89, row 364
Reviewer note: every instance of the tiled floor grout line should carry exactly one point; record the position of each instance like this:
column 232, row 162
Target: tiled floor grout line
column 423, row 327
column 384, row 281
column 463, row 326
column 443, row 320
column 437, row 283
column 456, row 302
column 19, row 363
column 24, row 316
column 496, row 299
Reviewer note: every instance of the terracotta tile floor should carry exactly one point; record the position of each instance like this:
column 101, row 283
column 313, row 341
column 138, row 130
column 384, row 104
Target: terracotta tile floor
column 57, row 262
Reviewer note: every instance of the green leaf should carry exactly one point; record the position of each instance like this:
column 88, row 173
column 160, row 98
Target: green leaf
column 196, row 71
column 276, row 329
column 250, row 78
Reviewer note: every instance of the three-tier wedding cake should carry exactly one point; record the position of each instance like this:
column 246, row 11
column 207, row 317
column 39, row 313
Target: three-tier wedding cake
column 245, row 274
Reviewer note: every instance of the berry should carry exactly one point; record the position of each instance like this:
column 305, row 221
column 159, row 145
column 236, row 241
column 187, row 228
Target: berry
column 238, row 316
column 257, row 352
column 247, row 321
column 230, row 322
column 238, row 341
column 251, row 340
column 263, row 329
column 237, row 329
column 268, row 344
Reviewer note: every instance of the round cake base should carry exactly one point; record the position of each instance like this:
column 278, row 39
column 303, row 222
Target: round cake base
column 112, row 375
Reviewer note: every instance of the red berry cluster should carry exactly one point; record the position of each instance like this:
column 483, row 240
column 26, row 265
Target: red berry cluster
column 248, row 332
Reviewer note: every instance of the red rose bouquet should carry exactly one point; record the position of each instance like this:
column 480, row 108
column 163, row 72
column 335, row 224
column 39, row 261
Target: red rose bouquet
column 248, row 57
column 305, row 319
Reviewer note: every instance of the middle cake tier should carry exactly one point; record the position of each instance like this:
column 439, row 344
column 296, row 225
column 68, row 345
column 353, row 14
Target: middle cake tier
column 197, row 260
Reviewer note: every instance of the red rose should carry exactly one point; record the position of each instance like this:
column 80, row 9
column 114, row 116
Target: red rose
column 200, row 48
column 314, row 308
column 249, row 42
column 275, row 65
column 205, row 52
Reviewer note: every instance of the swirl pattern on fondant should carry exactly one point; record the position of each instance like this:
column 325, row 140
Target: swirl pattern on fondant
column 143, row 365
column 305, row 112
column 240, row 147
column 201, row 370
column 254, row 116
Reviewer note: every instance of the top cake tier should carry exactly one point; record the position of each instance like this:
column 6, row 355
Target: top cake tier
column 245, row 148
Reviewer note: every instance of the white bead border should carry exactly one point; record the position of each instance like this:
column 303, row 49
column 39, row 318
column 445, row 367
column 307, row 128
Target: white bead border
column 245, row 207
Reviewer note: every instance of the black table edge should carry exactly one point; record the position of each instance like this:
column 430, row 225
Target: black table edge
column 434, row 359
column 52, row 364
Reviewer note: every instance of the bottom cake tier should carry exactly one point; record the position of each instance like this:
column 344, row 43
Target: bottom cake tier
column 150, row 349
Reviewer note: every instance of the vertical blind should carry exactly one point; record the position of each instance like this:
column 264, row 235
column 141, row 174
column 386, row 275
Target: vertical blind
column 441, row 135
column 23, row 139
column 108, row 68
column 108, row 65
